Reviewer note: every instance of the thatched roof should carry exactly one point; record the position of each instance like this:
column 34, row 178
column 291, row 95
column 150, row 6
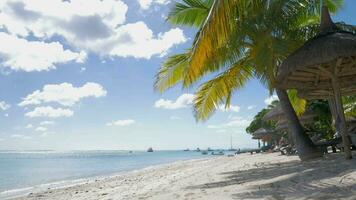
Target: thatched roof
column 277, row 114
column 282, row 125
column 308, row 69
column 306, row 118
column 274, row 114
column 263, row 133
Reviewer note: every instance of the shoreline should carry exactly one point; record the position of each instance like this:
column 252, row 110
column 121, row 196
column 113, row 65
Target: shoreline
column 62, row 184
column 245, row 176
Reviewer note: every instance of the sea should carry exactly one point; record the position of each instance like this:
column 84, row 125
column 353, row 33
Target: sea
column 22, row 172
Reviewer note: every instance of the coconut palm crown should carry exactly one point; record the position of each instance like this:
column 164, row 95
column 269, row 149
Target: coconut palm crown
column 236, row 41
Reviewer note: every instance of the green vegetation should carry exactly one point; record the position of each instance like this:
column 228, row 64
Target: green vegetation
column 258, row 121
column 237, row 41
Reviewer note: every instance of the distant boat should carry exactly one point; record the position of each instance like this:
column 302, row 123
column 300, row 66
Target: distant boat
column 231, row 148
column 198, row 149
column 220, row 153
column 150, row 149
column 186, row 150
column 209, row 149
column 204, row 152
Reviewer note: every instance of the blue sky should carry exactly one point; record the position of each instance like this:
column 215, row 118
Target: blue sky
column 78, row 76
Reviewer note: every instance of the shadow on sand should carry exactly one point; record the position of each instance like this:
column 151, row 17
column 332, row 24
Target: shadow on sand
column 293, row 179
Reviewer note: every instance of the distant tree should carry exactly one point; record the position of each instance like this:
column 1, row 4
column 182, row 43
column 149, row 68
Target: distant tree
column 258, row 121
column 322, row 123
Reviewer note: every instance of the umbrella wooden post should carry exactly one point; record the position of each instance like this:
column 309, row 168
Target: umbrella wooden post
column 333, row 111
column 340, row 117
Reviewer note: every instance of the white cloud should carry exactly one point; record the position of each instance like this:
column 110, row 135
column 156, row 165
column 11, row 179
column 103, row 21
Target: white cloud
column 213, row 126
column 125, row 122
column 230, row 108
column 19, row 136
column 20, row 54
column 145, row 4
column 70, row 19
column 45, row 134
column 65, row 94
column 174, row 117
column 44, row 123
column 87, row 25
column 251, row 107
column 236, row 122
column 182, row 102
column 41, row 129
column 270, row 99
column 138, row 41
column 49, row 112
column 221, row 131
column 29, row 126
column 4, row 105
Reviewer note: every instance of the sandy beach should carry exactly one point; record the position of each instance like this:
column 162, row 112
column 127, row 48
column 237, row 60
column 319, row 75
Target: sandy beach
column 260, row 176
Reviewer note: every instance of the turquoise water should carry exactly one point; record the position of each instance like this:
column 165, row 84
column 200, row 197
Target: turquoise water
column 28, row 169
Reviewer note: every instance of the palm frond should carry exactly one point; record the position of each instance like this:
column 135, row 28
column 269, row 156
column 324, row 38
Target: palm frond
column 350, row 105
column 298, row 104
column 189, row 12
column 172, row 71
column 214, row 32
column 220, row 89
column 261, row 32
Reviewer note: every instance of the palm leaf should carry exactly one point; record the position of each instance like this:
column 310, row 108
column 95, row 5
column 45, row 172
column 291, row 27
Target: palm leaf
column 298, row 104
column 214, row 32
column 350, row 105
column 189, row 12
column 219, row 90
column 172, row 71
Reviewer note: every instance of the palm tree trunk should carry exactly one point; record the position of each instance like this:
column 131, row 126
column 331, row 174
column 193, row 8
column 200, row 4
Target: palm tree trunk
column 305, row 147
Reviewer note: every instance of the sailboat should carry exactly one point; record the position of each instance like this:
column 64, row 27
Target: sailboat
column 150, row 149
column 231, row 149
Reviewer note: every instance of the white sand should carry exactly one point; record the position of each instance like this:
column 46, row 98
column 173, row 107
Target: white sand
column 261, row 176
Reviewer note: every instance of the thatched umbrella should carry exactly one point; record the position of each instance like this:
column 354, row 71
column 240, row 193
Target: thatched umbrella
column 324, row 67
column 264, row 134
column 277, row 114
column 306, row 118
column 274, row 114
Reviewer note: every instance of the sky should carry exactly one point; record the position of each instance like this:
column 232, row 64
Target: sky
column 79, row 75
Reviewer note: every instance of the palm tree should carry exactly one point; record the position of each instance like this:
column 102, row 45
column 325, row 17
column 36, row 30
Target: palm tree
column 238, row 41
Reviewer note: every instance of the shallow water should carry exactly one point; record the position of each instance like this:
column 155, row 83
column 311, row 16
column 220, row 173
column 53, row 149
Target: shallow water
column 27, row 169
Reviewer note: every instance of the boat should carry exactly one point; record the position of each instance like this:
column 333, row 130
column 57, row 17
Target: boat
column 150, row 149
column 231, row 148
column 204, row 152
column 219, row 153
column 186, row 150
column 198, row 149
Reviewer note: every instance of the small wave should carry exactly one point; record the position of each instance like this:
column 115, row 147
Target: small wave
column 42, row 187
